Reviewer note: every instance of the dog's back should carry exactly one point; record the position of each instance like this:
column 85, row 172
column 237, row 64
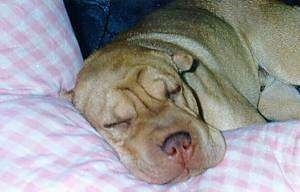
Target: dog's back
column 233, row 39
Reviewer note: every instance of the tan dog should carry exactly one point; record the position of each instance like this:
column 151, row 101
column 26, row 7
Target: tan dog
column 162, row 91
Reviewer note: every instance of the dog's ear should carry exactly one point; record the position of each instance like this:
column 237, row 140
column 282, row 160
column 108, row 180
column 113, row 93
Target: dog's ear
column 182, row 61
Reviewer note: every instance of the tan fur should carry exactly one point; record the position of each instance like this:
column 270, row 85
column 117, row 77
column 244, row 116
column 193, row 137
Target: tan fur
column 131, row 91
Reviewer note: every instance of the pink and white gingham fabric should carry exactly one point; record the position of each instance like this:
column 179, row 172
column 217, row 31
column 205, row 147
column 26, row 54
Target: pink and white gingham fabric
column 46, row 145
column 38, row 51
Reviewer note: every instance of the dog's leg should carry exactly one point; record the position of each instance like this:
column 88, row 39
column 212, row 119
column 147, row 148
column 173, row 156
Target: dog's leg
column 276, row 42
column 280, row 101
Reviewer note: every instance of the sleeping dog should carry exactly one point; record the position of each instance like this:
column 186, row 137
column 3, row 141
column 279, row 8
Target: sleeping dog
column 161, row 93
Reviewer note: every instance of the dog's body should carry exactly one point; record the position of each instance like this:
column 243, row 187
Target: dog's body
column 160, row 93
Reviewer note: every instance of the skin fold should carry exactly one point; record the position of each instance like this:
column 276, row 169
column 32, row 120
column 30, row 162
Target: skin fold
column 162, row 92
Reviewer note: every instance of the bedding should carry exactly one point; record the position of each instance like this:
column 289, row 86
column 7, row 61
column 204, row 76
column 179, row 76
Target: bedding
column 46, row 145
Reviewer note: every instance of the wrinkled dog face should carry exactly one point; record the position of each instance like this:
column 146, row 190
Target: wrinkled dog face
column 138, row 102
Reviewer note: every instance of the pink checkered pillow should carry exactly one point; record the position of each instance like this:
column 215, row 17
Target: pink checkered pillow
column 46, row 145
column 38, row 50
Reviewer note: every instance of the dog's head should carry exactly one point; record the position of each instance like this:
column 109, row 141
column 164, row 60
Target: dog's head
column 135, row 98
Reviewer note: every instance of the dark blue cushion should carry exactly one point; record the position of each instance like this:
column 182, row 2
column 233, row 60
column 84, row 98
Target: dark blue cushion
column 97, row 22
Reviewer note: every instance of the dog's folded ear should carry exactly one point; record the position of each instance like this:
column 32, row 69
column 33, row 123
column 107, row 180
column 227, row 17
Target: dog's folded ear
column 182, row 61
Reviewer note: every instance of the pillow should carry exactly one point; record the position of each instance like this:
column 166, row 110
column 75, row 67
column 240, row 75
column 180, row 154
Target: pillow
column 46, row 145
column 38, row 51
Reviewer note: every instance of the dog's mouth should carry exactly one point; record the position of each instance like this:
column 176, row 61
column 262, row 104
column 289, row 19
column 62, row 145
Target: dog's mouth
column 172, row 174
column 183, row 175
column 174, row 160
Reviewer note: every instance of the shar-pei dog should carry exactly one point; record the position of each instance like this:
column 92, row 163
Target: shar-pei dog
column 161, row 93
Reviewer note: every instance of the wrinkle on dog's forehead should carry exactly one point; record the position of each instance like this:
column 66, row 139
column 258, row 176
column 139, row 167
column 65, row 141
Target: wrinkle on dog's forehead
column 138, row 85
column 152, row 74
column 131, row 84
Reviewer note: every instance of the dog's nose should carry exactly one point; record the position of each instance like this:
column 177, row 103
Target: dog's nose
column 178, row 144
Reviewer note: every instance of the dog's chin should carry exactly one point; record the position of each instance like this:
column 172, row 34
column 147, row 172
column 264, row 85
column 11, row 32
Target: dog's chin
column 161, row 175
column 170, row 179
column 160, row 170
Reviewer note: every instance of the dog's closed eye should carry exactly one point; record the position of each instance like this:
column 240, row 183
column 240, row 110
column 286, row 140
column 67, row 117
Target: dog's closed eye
column 122, row 124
